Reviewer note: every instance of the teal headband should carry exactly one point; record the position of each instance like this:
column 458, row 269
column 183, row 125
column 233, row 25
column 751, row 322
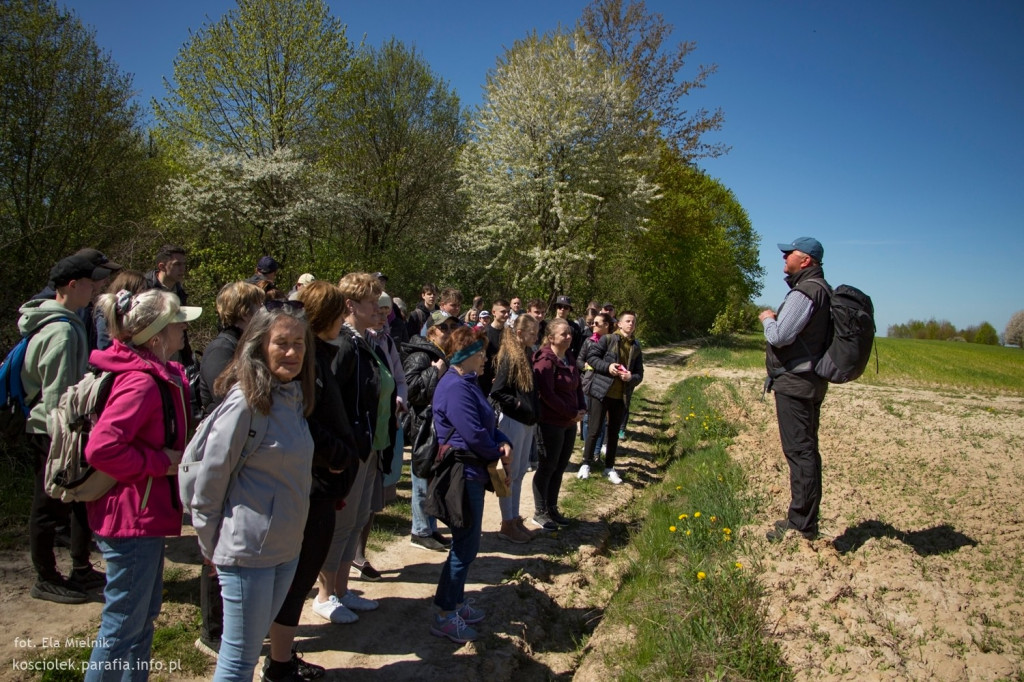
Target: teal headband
column 470, row 350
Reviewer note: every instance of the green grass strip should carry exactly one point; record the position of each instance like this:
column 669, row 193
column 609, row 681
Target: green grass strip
column 694, row 607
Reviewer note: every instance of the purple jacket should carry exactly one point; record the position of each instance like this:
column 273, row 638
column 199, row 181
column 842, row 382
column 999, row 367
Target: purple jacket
column 128, row 444
column 558, row 388
column 464, row 418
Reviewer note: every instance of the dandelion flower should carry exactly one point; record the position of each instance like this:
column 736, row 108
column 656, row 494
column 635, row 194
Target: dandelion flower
column 679, row 487
column 713, row 519
column 727, row 531
column 696, row 515
column 671, row 529
column 739, row 565
column 682, row 516
column 687, row 532
column 700, row 575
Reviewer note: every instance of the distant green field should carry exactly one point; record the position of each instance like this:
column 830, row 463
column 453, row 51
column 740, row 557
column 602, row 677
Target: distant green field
column 902, row 362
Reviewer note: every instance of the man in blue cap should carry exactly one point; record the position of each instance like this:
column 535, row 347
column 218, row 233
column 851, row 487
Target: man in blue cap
column 797, row 336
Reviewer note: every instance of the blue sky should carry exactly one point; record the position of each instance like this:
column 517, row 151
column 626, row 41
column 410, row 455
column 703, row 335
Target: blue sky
column 891, row 131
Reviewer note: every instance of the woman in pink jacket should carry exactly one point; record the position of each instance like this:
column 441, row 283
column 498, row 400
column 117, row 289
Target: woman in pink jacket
column 130, row 443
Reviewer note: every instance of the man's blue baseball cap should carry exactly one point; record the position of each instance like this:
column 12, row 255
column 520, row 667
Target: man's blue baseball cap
column 809, row 245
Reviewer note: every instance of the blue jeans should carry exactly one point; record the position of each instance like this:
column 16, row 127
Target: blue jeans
column 252, row 597
column 522, row 437
column 423, row 524
column 134, row 592
column 451, row 588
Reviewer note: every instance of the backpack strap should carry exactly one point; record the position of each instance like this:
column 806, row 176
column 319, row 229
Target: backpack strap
column 14, row 385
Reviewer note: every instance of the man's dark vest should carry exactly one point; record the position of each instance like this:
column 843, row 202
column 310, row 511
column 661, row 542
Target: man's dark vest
column 794, row 364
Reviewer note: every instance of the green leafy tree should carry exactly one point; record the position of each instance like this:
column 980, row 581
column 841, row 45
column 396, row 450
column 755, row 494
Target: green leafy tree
column 1013, row 335
column 394, row 140
column 986, row 334
column 261, row 78
column 74, row 168
column 557, row 167
column 636, row 41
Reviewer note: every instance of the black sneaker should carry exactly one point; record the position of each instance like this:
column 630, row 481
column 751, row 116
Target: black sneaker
column 304, row 670
column 85, row 579
column 427, row 542
column 557, row 517
column 58, row 590
column 442, row 539
column 366, row 571
column 544, row 521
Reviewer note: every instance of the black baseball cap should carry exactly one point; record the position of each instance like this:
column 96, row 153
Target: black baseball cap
column 83, row 264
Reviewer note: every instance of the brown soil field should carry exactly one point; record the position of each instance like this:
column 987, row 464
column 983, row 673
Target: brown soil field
column 918, row 574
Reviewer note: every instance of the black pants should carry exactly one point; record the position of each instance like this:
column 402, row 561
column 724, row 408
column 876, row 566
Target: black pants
column 555, row 454
column 211, row 608
column 316, row 543
column 611, row 410
column 798, row 429
column 47, row 514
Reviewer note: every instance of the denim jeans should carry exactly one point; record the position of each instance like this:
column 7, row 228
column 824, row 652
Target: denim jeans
column 423, row 524
column 522, row 437
column 451, row 588
column 252, row 597
column 134, row 592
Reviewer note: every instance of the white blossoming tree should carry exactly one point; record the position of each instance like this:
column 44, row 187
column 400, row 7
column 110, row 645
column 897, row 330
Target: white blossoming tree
column 556, row 168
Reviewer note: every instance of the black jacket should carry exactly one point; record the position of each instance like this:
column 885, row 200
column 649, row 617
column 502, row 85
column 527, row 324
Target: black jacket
column 334, row 444
column 603, row 355
column 810, row 344
column 356, row 372
column 418, row 318
column 216, row 358
column 514, row 402
column 421, row 377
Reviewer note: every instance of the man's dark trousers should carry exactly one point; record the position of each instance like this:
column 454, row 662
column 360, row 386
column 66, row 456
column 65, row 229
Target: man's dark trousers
column 798, row 428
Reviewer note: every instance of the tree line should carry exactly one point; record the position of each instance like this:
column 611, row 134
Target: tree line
column 577, row 174
column 943, row 330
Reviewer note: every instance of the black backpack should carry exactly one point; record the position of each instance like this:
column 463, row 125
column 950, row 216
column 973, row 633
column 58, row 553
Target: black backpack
column 852, row 334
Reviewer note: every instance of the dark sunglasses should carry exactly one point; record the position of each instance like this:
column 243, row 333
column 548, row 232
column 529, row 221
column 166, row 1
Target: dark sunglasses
column 275, row 304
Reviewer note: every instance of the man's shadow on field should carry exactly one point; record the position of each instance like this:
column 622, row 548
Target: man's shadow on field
column 928, row 542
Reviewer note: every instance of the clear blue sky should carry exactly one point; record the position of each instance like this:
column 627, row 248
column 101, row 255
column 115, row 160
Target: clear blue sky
column 891, row 131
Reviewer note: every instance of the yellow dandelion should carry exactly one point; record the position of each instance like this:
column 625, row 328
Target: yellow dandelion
column 713, row 519
column 692, row 414
column 739, row 566
column 696, row 515
column 671, row 529
column 687, row 532
column 700, row 575
column 727, row 531
column 726, row 538
column 682, row 516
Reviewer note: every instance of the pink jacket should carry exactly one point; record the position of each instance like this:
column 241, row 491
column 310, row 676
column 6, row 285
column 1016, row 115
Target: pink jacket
column 127, row 443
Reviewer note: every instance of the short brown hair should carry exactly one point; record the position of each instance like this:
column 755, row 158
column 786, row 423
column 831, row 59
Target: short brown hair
column 324, row 304
column 450, row 295
column 236, row 301
column 463, row 336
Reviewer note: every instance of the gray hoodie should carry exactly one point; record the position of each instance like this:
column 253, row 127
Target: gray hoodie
column 56, row 357
column 259, row 522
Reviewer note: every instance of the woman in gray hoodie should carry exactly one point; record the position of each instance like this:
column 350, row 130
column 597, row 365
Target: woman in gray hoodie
column 250, row 522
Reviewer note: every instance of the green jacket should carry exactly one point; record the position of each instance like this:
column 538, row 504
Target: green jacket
column 56, row 357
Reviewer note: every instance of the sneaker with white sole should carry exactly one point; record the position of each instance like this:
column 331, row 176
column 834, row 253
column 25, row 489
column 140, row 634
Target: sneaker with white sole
column 452, row 627
column 468, row 614
column 612, row 476
column 584, row 472
column 604, row 449
column 333, row 610
column 353, row 601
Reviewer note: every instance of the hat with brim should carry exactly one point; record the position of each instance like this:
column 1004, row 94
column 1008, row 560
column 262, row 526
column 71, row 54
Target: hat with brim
column 83, row 264
column 563, row 301
column 437, row 317
column 185, row 313
column 306, row 278
column 809, row 245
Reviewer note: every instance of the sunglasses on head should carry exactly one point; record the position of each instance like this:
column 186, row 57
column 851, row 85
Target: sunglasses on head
column 276, row 304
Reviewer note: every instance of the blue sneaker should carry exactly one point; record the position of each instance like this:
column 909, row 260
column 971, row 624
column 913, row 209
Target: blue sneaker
column 468, row 614
column 453, row 627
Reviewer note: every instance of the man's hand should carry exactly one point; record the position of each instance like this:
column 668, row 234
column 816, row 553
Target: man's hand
column 765, row 314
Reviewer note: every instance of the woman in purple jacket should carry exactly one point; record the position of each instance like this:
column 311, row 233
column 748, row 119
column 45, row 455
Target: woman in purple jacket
column 465, row 420
column 561, row 407
column 128, row 443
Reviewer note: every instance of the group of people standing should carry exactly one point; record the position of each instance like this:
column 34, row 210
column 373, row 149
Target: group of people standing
column 307, row 399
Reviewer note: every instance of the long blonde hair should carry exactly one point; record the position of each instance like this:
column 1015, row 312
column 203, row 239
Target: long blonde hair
column 512, row 353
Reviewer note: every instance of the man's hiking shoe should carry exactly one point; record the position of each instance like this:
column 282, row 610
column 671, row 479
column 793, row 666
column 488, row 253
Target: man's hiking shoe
column 427, row 542
column 782, row 526
column 86, row 579
column 453, row 627
column 58, row 590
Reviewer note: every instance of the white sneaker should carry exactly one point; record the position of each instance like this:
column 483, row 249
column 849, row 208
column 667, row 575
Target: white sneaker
column 584, row 472
column 353, row 601
column 604, row 449
column 612, row 476
column 333, row 610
